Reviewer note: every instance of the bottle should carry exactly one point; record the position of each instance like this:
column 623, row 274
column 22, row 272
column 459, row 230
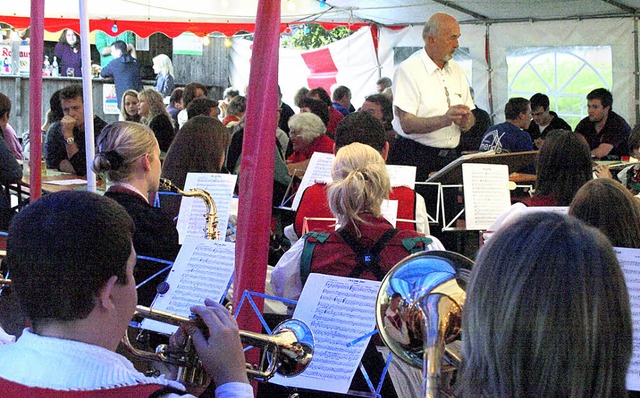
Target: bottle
column 54, row 68
column 46, row 69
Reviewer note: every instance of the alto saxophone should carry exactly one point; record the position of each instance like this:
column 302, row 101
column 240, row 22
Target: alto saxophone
column 212, row 211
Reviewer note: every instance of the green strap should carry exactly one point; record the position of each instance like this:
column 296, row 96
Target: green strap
column 411, row 244
column 307, row 252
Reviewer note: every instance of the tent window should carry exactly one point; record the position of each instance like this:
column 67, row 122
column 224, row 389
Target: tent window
column 565, row 74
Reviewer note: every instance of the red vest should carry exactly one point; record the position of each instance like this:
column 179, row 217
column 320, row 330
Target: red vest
column 315, row 204
column 9, row 389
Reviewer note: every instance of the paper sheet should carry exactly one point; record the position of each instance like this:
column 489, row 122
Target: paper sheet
column 202, row 269
column 486, row 195
column 338, row 310
column 191, row 220
column 318, row 170
column 402, row 176
column 629, row 260
column 389, row 210
column 76, row 181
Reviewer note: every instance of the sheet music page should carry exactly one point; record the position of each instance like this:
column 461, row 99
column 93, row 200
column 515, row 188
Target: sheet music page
column 629, row 260
column 486, row 195
column 203, row 269
column 402, row 176
column 389, row 211
column 191, row 220
column 318, row 170
column 338, row 310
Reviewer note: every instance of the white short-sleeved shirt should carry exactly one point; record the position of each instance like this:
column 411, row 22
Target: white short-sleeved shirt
column 419, row 89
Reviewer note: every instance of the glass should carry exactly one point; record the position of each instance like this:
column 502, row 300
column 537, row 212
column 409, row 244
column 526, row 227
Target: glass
column 70, row 72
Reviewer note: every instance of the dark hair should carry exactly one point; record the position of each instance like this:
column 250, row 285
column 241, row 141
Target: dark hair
column 190, row 92
column 547, row 313
column 237, row 105
column 634, row 138
column 316, row 107
column 340, row 92
column 120, row 46
column 5, row 105
column 514, row 107
column 607, row 205
column 71, row 92
column 604, row 95
column 386, row 105
column 230, row 92
column 385, row 81
column 200, row 106
column 62, row 249
column 56, row 108
column 564, row 165
column 63, row 39
column 360, row 127
column 322, row 94
column 539, row 100
column 176, row 95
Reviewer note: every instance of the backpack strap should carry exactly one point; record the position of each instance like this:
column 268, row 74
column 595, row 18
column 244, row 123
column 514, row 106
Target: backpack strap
column 368, row 259
column 413, row 244
column 310, row 241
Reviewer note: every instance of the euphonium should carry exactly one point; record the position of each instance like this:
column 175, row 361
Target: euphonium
column 212, row 212
column 288, row 351
column 432, row 289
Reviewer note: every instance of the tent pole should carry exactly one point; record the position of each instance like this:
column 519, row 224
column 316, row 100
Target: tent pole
column 487, row 54
column 637, row 68
column 87, row 94
column 35, row 96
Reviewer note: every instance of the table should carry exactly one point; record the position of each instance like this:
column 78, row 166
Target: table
column 55, row 175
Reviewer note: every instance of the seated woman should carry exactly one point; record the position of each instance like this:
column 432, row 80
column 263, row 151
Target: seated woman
column 630, row 175
column 360, row 184
column 547, row 313
column 199, row 147
column 307, row 134
column 154, row 114
column 129, row 155
column 608, row 206
column 129, row 111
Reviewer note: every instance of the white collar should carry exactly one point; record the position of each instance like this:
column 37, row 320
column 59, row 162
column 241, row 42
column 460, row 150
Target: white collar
column 132, row 188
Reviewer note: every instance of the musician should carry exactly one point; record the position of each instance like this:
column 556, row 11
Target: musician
column 71, row 259
column 129, row 155
column 547, row 313
column 394, row 323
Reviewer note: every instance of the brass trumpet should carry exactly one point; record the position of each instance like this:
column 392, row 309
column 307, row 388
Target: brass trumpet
column 288, row 351
column 212, row 210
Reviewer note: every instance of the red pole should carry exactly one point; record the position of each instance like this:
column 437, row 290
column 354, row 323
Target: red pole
column 35, row 96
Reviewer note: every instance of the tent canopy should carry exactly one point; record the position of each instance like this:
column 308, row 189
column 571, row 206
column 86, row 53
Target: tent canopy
column 145, row 17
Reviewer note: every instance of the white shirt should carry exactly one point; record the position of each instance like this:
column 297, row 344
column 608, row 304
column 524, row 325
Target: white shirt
column 419, row 89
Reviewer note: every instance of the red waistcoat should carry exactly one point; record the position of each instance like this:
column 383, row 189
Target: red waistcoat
column 9, row 389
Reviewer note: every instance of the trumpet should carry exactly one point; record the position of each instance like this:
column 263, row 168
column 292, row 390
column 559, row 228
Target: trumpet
column 212, row 211
column 288, row 351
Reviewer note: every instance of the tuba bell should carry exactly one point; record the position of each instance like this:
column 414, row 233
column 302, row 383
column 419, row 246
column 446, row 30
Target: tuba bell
column 288, row 351
column 430, row 291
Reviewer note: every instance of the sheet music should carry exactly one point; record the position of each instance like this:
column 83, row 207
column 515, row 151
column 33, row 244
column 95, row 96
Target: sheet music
column 402, row 176
column 203, row 269
column 629, row 260
column 318, row 170
column 389, row 210
column 338, row 310
column 191, row 220
column 486, row 195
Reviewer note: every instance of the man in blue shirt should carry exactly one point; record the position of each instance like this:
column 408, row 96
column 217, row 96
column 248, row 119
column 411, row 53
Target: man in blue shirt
column 124, row 70
column 510, row 136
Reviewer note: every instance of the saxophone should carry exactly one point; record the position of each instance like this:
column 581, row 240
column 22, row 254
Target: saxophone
column 212, row 211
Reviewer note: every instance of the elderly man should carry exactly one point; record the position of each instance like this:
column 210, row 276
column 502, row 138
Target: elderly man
column 432, row 102
column 78, row 321
column 606, row 132
column 65, row 139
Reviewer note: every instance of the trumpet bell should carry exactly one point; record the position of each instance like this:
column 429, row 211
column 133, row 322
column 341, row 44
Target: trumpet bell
column 295, row 347
column 422, row 298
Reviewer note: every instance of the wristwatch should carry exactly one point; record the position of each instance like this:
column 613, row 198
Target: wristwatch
column 70, row 140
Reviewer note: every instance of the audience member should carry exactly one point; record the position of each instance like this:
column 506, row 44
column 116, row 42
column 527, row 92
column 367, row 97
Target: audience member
column 175, row 105
column 129, row 111
column 302, row 93
column 154, row 114
column 235, row 111
column 65, row 139
column 318, row 108
column 69, row 53
column 606, row 132
column 10, row 171
column 83, row 242
column 546, row 313
column 470, row 140
column 228, row 94
column 11, row 138
column 123, row 69
column 510, row 136
column 163, row 67
column 341, row 98
column 383, row 83
column 54, row 114
column 285, row 114
column 609, row 206
column 382, row 109
column 191, row 91
column 335, row 116
column 203, row 106
column 128, row 155
column 104, row 42
column 544, row 120
column 630, row 175
column 307, row 135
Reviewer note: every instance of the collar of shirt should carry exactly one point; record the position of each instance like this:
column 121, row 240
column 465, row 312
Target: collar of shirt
column 132, row 189
column 431, row 66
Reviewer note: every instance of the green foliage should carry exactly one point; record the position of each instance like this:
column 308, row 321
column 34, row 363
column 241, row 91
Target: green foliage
column 310, row 36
